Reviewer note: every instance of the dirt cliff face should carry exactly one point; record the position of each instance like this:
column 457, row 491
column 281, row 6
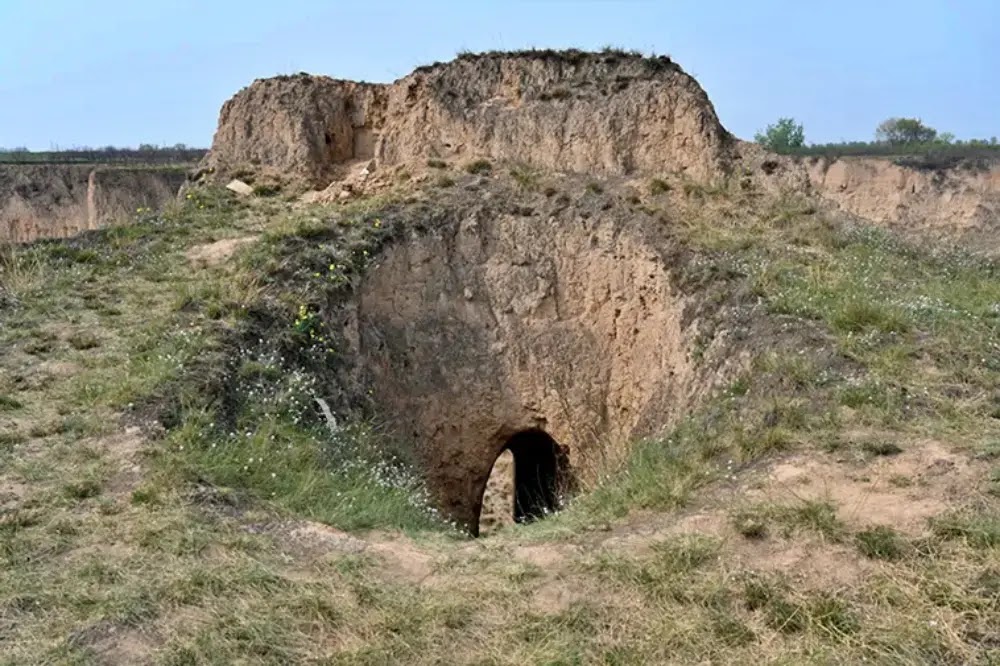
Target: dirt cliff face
column 296, row 126
column 57, row 201
column 602, row 112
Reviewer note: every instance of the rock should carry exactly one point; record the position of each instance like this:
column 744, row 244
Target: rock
column 240, row 188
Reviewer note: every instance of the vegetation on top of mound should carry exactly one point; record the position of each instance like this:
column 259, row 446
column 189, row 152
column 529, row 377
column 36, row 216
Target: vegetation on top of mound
column 608, row 54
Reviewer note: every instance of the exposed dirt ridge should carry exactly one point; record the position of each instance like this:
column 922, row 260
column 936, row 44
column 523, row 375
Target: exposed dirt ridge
column 603, row 112
column 953, row 201
column 608, row 113
column 57, row 201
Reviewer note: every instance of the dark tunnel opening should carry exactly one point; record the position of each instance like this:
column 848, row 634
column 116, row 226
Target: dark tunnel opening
column 538, row 474
column 536, row 480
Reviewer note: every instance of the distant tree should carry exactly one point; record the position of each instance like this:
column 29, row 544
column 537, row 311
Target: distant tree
column 945, row 137
column 784, row 135
column 904, row 130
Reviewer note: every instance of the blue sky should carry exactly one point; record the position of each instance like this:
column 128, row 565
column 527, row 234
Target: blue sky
column 123, row 71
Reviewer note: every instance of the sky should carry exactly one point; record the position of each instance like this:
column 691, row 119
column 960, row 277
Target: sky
column 124, row 72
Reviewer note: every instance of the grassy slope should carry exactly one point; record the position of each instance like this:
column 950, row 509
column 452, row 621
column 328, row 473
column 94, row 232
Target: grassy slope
column 185, row 547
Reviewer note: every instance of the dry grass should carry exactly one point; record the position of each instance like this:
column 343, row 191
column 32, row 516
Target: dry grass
column 20, row 273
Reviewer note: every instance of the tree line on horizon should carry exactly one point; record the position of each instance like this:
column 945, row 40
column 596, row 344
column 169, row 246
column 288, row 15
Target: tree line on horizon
column 145, row 153
column 908, row 141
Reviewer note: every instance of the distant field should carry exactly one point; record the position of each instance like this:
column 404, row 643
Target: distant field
column 108, row 156
column 918, row 156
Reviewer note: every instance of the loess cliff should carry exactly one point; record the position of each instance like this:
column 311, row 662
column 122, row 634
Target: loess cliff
column 57, row 201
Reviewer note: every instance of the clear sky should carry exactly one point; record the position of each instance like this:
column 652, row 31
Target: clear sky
column 99, row 72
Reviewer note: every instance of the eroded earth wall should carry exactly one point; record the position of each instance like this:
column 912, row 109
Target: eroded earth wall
column 57, row 201
column 585, row 112
column 945, row 201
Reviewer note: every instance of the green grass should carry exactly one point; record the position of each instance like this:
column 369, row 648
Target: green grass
column 802, row 516
column 343, row 481
column 979, row 529
column 171, row 359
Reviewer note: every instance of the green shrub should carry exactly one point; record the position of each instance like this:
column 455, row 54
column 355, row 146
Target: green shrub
column 750, row 524
column 83, row 340
column 9, row 403
column 857, row 316
column 525, row 176
column 880, row 542
column 480, row 167
column 881, row 448
column 267, row 190
column 658, row 186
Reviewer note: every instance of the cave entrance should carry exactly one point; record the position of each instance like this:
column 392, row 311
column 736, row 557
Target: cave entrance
column 527, row 482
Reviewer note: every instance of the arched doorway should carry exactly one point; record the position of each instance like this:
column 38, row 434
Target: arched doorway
column 528, row 480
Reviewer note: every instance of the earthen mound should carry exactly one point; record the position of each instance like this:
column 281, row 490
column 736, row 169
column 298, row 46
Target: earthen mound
column 605, row 112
